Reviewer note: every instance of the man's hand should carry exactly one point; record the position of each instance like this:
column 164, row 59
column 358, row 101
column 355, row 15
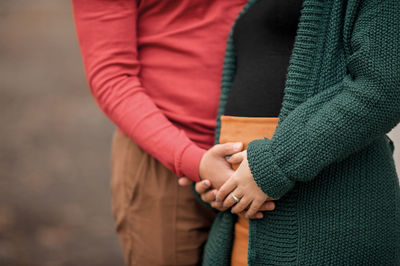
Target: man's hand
column 214, row 166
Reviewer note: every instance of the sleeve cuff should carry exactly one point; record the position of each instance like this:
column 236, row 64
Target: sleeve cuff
column 190, row 161
column 267, row 174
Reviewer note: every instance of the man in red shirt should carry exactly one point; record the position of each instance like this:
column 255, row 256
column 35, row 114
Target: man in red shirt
column 154, row 68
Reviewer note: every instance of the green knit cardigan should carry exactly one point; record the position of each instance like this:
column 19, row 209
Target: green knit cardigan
column 330, row 161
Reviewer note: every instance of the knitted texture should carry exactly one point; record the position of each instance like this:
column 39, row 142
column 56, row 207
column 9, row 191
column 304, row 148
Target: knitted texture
column 329, row 160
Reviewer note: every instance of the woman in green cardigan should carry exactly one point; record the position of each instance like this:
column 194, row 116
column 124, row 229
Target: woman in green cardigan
column 329, row 163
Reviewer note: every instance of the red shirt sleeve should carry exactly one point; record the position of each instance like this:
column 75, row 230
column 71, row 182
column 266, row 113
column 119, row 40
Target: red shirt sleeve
column 107, row 33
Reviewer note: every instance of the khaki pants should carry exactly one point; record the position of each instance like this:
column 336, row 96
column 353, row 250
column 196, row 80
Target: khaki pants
column 158, row 222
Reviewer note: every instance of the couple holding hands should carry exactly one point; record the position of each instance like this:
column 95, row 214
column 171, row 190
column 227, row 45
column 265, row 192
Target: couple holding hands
column 276, row 110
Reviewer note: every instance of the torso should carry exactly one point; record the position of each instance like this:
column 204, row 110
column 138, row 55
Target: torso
column 181, row 50
column 263, row 39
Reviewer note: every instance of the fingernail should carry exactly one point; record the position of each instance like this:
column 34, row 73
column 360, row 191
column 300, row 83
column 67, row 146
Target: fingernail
column 246, row 216
column 237, row 145
column 206, row 183
column 232, row 211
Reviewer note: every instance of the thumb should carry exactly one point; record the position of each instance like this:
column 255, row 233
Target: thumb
column 228, row 148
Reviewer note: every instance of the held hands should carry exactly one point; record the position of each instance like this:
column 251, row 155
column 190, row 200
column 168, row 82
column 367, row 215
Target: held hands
column 216, row 168
column 208, row 194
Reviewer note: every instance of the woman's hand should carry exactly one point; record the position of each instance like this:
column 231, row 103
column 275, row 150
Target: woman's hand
column 242, row 185
column 208, row 194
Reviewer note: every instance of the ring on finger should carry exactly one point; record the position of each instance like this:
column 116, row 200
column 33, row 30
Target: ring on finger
column 235, row 199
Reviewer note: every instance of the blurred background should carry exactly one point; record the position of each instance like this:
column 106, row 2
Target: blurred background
column 55, row 206
column 55, row 144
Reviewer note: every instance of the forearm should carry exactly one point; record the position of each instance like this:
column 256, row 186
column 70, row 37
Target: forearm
column 343, row 118
column 107, row 36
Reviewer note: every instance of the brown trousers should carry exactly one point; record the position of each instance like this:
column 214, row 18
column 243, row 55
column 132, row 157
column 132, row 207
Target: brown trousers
column 158, row 222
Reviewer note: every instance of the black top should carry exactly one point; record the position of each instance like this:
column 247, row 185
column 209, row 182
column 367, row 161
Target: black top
column 263, row 39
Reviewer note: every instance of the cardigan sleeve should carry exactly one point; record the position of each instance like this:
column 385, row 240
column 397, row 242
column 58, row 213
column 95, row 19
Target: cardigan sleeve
column 343, row 118
column 107, row 36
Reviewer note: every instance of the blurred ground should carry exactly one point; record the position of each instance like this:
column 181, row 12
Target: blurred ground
column 54, row 144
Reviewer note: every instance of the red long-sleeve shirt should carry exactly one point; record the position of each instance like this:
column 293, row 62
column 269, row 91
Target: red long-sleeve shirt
column 154, row 68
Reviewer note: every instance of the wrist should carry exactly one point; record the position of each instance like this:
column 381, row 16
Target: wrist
column 190, row 161
column 266, row 173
